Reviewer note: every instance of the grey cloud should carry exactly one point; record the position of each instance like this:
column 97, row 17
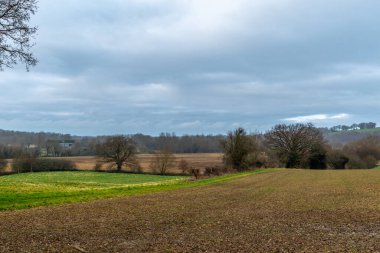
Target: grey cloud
column 195, row 66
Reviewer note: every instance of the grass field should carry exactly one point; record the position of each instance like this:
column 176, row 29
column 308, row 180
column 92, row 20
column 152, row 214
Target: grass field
column 282, row 211
column 40, row 189
column 37, row 189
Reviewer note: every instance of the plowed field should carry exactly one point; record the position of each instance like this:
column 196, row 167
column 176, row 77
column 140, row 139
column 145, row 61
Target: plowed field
column 283, row 211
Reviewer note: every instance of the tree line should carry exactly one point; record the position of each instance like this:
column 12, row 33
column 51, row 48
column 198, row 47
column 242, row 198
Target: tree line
column 297, row 146
column 355, row 126
column 288, row 146
column 13, row 143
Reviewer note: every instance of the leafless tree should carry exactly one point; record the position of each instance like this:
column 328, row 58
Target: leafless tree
column 162, row 161
column 118, row 150
column 16, row 34
column 294, row 144
column 183, row 165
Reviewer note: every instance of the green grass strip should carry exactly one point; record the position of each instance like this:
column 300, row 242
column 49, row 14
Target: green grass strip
column 36, row 195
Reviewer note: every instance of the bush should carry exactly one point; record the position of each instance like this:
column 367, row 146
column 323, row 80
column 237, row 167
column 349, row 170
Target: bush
column 262, row 160
column 183, row 166
column 239, row 150
column 98, row 166
column 317, row 157
column 21, row 165
column 214, row 171
column 363, row 154
column 162, row 161
column 356, row 162
column 337, row 160
column 3, row 164
column 136, row 167
column 196, row 173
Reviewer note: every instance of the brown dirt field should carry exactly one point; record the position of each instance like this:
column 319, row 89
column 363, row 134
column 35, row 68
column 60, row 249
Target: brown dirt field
column 285, row 211
column 194, row 160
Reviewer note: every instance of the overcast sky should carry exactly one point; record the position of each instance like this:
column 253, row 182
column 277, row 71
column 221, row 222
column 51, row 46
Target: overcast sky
column 196, row 66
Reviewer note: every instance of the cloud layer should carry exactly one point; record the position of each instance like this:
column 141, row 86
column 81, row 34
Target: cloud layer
column 316, row 118
column 194, row 66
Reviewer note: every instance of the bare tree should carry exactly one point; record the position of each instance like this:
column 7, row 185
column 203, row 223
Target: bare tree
column 162, row 161
column 294, row 144
column 237, row 147
column 183, row 165
column 118, row 150
column 15, row 33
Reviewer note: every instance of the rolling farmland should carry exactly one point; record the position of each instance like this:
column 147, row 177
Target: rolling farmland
column 281, row 211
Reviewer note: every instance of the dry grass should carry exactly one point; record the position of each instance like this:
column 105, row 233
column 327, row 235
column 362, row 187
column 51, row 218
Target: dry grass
column 194, row 160
column 284, row 211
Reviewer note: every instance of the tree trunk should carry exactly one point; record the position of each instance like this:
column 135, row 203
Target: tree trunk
column 119, row 166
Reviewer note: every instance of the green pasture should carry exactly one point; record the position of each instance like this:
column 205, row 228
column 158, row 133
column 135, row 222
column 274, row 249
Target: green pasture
column 38, row 189
column 29, row 190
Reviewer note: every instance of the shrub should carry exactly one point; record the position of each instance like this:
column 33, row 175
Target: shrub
column 214, row 171
column 355, row 163
column 183, row 166
column 239, row 147
column 337, row 160
column 136, row 167
column 24, row 163
column 196, row 173
column 21, row 165
column 262, row 160
column 162, row 161
column 3, row 164
column 363, row 154
column 317, row 157
column 98, row 166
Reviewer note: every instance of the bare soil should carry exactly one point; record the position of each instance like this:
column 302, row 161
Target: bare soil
column 285, row 211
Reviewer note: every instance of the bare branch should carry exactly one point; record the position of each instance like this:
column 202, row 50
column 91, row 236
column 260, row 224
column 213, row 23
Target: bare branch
column 293, row 143
column 16, row 34
column 118, row 150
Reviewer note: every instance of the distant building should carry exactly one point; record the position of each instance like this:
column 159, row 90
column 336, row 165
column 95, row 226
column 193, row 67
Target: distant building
column 43, row 152
column 55, row 148
column 67, row 144
column 30, row 146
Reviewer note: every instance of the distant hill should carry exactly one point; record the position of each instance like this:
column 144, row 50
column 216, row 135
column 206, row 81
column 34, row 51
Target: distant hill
column 179, row 144
column 82, row 145
column 8, row 137
column 351, row 135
